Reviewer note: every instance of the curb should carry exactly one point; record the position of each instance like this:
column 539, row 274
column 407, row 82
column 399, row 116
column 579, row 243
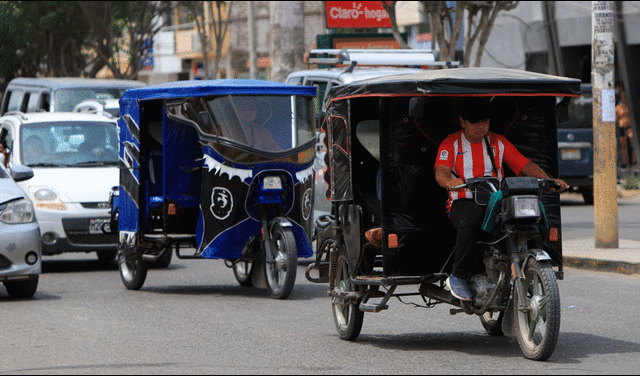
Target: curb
column 610, row 266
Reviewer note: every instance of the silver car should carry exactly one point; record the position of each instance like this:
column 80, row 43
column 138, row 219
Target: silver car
column 20, row 254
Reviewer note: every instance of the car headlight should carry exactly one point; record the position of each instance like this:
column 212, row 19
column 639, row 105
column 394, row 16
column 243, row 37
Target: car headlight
column 272, row 183
column 20, row 211
column 47, row 198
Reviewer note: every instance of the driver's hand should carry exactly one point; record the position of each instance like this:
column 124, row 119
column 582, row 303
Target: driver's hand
column 563, row 185
column 454, row 183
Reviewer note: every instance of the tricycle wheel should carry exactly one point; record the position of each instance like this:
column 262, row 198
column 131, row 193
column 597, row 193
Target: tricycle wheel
column 537, row 329
column 492, row 323
column 347, row 316
column 281, row 270
column 243, row 271
column 164, row 261
column 133, row 270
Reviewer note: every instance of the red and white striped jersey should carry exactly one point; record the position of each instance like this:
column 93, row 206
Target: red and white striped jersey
column 470, row 160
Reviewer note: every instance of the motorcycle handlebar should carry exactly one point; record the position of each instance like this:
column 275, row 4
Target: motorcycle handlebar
column 543, row 182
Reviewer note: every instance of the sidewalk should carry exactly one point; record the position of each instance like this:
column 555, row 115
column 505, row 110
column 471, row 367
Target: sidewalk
column 582, row 254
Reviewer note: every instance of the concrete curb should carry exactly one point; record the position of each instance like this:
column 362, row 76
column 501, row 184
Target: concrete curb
column 610, row 266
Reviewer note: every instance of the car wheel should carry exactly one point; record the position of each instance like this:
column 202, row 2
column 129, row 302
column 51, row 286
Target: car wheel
column 22, row 289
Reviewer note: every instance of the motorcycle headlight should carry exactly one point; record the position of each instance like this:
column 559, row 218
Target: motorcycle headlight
column 46, row 198
column 524, row 207
column 15, row 212
column 272, row 183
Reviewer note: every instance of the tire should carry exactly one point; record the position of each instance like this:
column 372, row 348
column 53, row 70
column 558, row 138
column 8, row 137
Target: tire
column 164, row 261
column 493, row 324
column 22, row 289
column 133, row 270
column 347, row 316
column 107, row 256
column 537, row 330
column 281, row 272
column 243, row 271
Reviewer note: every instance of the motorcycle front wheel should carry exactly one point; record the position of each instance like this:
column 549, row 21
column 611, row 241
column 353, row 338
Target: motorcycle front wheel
column 537, row 329
column 346, row 315
column 281, row 269
column 133, row 270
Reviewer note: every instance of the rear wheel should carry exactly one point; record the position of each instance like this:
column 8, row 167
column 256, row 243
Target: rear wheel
column 243, row 271
column 281, row 270
column 22, row 289
column 492, row 322
column 165, row 260
column 347, row 316
column 133, row 270
column 537, row 329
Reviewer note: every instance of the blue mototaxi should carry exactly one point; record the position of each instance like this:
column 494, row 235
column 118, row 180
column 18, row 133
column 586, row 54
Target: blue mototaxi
column 222, row 166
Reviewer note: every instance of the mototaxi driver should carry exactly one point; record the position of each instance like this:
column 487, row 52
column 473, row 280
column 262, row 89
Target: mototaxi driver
column 464, row 153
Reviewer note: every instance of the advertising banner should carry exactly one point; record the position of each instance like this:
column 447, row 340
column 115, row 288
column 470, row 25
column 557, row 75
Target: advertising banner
column 356, row 14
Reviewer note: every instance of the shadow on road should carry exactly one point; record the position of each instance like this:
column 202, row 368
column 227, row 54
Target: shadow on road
column 87, row 265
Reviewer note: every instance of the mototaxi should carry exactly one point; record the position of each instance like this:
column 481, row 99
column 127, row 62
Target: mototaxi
column 219, row 169
column 388, row 225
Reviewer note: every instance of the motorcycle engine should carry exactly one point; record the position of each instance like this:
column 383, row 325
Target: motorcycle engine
column 481, row 289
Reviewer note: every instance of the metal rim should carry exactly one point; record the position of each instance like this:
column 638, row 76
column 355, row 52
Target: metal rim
column 533, row 325
column 342, row 309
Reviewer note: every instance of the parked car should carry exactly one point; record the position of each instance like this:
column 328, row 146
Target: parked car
column 74, row 157
column 20, row 254
column 60, row 94
column 347, row 66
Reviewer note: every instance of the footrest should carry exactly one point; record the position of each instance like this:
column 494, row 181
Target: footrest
column 373, row 308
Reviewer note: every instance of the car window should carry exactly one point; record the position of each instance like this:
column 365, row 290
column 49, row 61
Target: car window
column 64, row 100
column 32, row 104
column 15, row 100
column 68, row 143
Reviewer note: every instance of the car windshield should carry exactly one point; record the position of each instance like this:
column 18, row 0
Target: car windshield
column 69, row 143
column 64, row 100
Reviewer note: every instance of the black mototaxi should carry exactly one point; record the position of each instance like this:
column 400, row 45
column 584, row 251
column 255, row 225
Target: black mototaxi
column 389, row 226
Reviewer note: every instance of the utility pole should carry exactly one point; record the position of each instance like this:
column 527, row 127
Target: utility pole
column 251, row 25
column 605, row 206
column 286, row 45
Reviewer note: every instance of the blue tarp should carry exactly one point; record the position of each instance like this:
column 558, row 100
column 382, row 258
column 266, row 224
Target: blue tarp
column 198, row 88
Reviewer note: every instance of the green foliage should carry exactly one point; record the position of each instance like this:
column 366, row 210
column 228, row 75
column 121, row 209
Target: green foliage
column 630, row 183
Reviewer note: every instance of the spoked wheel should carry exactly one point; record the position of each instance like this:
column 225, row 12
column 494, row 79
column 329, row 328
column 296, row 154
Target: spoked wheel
column 164, row 261
column 537, row 329
column 492, row 322
column 281, row 271
column 133, row 270
column 347, row 317
column 243, row 271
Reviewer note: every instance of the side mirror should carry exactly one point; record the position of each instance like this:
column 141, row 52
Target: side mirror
column 416, row 107
column 562, row 110
column 20, row 172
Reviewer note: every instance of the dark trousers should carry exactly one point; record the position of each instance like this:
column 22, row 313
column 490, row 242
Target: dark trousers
column 467, row 217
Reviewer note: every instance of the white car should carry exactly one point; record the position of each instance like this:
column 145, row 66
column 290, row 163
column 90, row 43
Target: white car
column 74, row 157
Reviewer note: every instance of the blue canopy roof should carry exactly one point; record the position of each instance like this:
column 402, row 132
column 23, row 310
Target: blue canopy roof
column 198, row 88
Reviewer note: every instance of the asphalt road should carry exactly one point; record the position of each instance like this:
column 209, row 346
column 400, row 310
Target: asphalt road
column 194, row 318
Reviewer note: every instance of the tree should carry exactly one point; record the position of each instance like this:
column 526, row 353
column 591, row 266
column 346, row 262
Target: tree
column 217, row 27
column 446, row 25
column 286, row 45
column 123, row 28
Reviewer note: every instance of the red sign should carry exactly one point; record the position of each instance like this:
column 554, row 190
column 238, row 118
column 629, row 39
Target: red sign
column 356, row 14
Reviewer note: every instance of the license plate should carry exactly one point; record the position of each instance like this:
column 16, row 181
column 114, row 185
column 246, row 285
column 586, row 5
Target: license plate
column 570, row 154
column 97, row 224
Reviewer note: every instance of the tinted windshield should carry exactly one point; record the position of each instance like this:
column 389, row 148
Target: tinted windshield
column 69, row 143
column 580, row 112
column 269, row 123
column 64, row 100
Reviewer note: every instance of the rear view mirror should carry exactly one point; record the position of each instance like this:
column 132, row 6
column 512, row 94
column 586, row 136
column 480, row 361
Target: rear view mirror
column 416, row 106
column 20, row 173
column 562, row 110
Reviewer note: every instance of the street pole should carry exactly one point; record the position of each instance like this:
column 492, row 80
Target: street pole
column 605, row 206
column 251, row 24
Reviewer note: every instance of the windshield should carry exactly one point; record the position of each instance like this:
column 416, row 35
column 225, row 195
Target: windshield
column 69, row 143
column 580, row 112
column 64, row 100
column 245, row 127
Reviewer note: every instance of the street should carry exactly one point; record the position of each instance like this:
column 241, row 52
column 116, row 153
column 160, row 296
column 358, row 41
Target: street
column 194, row 318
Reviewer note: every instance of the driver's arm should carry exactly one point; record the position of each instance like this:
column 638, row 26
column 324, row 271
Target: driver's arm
column 533, row 170
column 443, row 177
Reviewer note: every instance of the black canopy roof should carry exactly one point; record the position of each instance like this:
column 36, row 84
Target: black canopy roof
column 462, row 81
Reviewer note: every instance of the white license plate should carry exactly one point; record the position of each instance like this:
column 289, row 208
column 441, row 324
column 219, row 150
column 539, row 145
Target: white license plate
column 570, row 154
column 97, row 224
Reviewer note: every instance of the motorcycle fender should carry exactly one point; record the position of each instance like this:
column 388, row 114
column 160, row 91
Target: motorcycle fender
column 507, row 321
column 538, row 254
column 284, row 222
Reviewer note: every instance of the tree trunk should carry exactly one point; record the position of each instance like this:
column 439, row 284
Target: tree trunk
column 286, row 46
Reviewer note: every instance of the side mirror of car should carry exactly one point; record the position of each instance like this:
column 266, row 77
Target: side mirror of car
column 20, row 172
column 416, row 107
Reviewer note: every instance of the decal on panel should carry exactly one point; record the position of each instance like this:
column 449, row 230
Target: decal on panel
column 307, row 204
column 220, row 169
column 221, row 203
column 305, row 175
column 134, row 129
